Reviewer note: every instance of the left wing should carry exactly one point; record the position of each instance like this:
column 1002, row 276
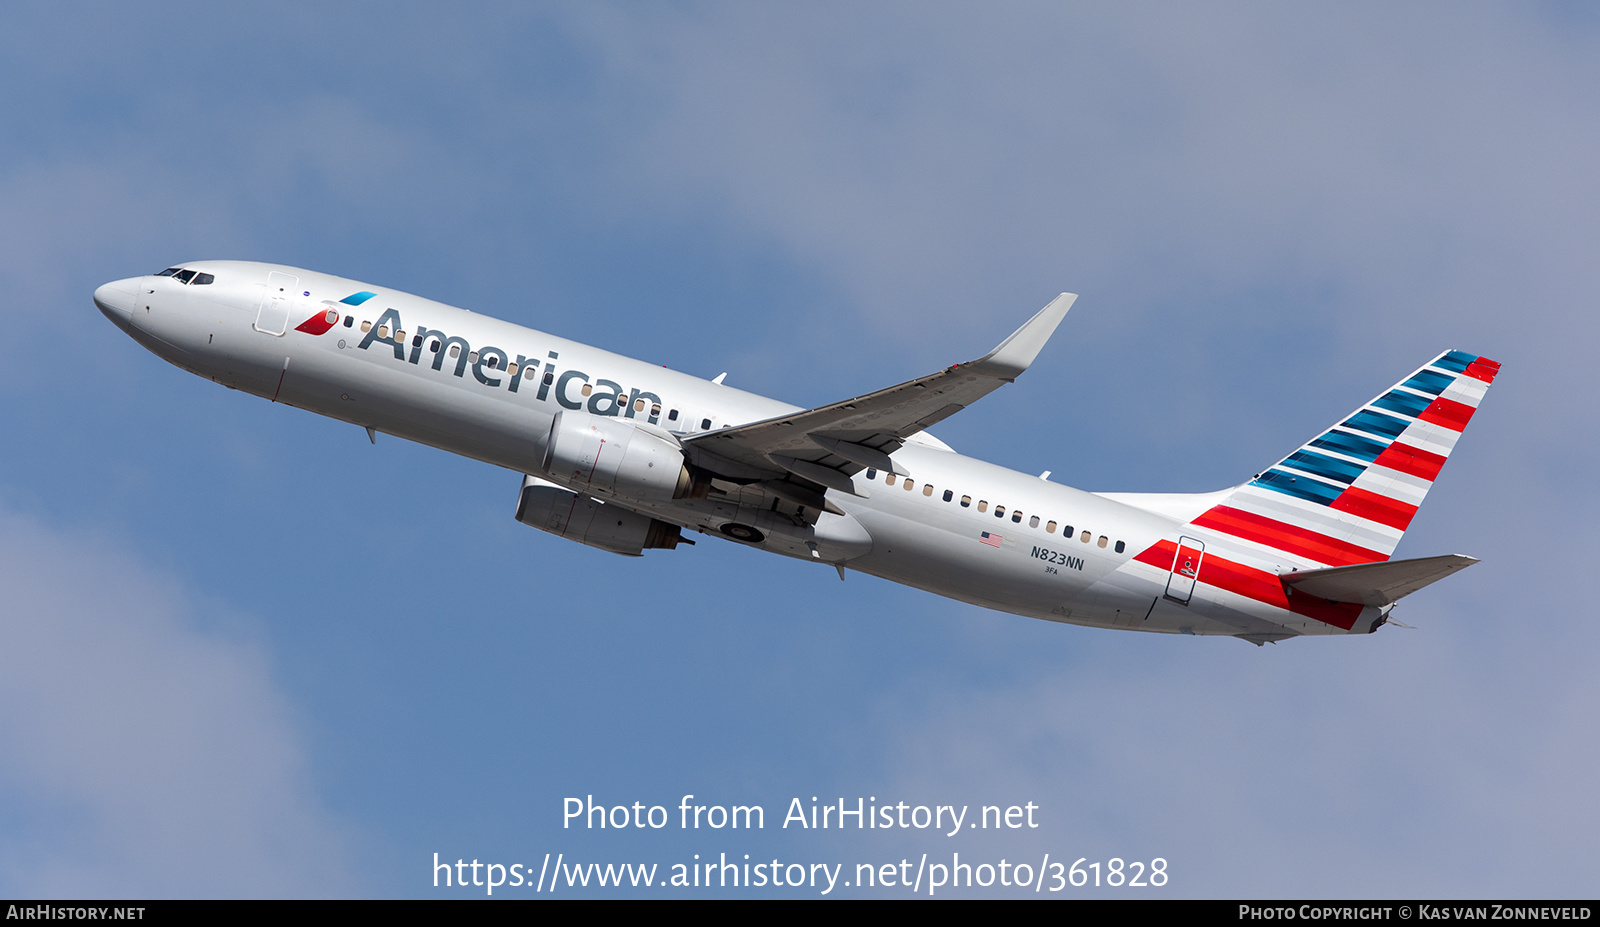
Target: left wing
column 797, row 456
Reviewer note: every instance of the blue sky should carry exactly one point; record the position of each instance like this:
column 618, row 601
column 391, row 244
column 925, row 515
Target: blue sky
column 247, row 653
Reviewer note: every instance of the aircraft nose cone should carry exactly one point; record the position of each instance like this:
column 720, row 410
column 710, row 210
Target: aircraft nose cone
column 115, row 300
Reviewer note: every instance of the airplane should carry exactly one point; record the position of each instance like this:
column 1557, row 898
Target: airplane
column 627, row 456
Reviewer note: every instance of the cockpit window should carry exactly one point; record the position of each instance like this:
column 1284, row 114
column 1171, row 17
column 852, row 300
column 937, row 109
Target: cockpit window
column 187, row 276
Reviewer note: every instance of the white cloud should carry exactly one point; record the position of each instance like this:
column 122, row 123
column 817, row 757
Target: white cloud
column 1375, row 766
column 925, row 161
column 143, row 756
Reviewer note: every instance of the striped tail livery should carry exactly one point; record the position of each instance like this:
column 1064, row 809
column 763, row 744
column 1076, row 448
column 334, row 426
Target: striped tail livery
column 1312, row 535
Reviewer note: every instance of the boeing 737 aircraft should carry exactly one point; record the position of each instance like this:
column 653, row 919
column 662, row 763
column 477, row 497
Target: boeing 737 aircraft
column 623, row 455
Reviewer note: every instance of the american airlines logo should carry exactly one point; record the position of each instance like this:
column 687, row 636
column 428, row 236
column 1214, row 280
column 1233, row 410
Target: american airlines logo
column 322, row 321
column 495, row 367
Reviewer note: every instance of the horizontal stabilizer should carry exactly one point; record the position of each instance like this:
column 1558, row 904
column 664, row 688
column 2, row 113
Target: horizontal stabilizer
column 1375, row 583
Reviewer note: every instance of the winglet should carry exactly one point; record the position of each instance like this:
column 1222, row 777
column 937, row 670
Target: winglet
column 1014, row 354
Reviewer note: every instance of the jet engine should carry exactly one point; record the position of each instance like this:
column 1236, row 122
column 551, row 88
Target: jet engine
column 607, row 526
column 598, row 454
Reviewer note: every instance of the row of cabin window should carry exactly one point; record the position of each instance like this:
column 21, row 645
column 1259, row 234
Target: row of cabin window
column 999, row 511
column 511, row 368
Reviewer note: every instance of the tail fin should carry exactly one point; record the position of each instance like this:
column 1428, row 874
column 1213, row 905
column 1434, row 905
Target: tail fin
column 1347, row 495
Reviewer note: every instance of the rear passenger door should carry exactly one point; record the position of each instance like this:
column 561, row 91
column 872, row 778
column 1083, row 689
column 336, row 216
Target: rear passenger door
column 1185, row 569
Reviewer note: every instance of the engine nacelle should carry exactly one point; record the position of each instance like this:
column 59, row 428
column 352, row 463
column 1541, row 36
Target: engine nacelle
column 593, row 453
column 597, row 524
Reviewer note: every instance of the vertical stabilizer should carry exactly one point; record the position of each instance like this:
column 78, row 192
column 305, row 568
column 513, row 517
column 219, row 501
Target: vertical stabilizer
column 1347, row 495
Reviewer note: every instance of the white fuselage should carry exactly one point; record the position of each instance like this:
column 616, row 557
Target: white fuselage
column 1052, row 552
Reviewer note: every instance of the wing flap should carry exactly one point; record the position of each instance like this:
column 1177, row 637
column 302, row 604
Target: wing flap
column 859, row 454
column 817, row 473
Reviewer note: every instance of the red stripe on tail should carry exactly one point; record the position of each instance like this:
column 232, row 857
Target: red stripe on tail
column 1373, row 507
column 1285, row 537
column 1483, row 369
column 1259, row 585
column 1448, row 413
column 1412, row 460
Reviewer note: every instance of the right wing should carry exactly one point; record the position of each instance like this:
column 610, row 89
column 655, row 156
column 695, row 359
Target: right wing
column 799, row 455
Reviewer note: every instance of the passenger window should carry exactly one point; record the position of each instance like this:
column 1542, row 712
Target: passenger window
column 494, row 363
column 1120, row 547
column 549, row 378
column 655, row 410
column 1033, row 522
column 1066, row 532
column 999, row 511
column 872, row 473
column 587, row 389
column 349, row 320
column 203, row 279
column 472, row 357
column 966, row 502
column 512, row 369
column 366, row 327
column 1050, row 527
column 705, row 423
column 983, row 505
column 400, row 336
column 383, row 331
column 1102, row 542
column 1085, row 537
column 1016, row 518
column 927, row 489
column 416, row 340
column 184, row 276
column 435, row 346
column 948, row 495
column 888, row 478
column 672, row 416
column 910, row 484
column 638, row 405
column 455, row 350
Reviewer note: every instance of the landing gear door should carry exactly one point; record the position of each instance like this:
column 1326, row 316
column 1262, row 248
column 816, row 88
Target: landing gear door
column 273, row 318
column 1185, row 569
